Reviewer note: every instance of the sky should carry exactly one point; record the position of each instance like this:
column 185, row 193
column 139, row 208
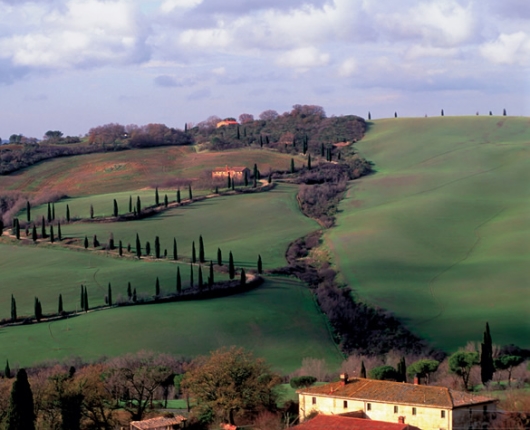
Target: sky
column 70, row 65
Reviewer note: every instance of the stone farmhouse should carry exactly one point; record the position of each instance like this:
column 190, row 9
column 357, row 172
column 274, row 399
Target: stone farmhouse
column 233, row 172
column 420, row 406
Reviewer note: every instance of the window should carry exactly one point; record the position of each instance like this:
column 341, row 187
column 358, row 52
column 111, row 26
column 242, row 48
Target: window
column 395, row 409
column 413, row 411
column 314, row 400
column 345, row 404
column 442, row 414
column 368, row 406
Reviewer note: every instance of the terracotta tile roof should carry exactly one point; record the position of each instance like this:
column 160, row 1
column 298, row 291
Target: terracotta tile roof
column 335, row 422
column 154, row 423
column 397, row 392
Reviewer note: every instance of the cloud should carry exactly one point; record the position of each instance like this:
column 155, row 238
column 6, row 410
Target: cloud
column 166, row 81
column 303, row 58
column 348, row 68
column 508, row 49
column 82, row 33
column 170, row 5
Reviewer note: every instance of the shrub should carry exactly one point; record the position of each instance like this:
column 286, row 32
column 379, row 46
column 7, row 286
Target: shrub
column 302, row 381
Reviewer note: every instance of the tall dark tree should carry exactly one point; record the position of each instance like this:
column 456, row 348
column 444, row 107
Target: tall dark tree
column 487, row 367
column 157, row 287
column 120, row 248
column 82, row 297
column 178, row 196
column 175, row 254
column 157, row 197
column 147, row 248
column 231, row 268
column 86, row 308
column 138, row 246
column 134, row 296
column 322, row 150
column 442, row 113
column 269, row 179
column 201, row 250
column 157, row 247
column 111, row 241
column 395, row 114
column 67, row 213
column 53, row 211
column 130, row 204
column 256, row 171
column 401, row 370
column 49, row 212
column 369, row 116
column 211, row 276
column 166, row 201
column 292, row 165
column 91, row 211
column 260, row 265
column 109, row 295
column 86, row 242
column 246, row 178
column 309, row 162
column 362, row 374
column 243, row 279
column 229, row 182
column 13, row 309
column 200, row 280
column 191, row 275
column 28, row 211
column 7, row 370
column 115, row 208
column 60, row 308
column 504, row 112
column 179, row 281
column 52, row 235
column 34, row 233
column 59, row 234
column 43, row 229
column 20, row 413
column 193, row 253
column 219, row 257
column 95, row 241
column 190, row 195
column 129, row 291
column 138, row 206
column 37, row 307
column 17, row 228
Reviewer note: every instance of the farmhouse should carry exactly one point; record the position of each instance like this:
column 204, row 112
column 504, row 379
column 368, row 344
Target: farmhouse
column 160, row 423
column 234, row 172
column 422, row 406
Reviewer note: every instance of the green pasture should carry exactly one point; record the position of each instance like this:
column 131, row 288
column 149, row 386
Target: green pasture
column 45, row 272
column 440, row 233
column 278, row 321
column 248, row 225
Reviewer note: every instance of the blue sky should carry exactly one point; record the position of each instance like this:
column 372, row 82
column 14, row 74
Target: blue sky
column 70, row 65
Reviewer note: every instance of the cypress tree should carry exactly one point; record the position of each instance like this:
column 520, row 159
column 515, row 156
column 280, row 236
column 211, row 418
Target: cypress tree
column 243, row 280
column 59, row 234
column 134, row 296
column 190, row 195
column 130, row 204
column 231, row 268
column 229, row 182
column 256, row 171
column 43, row 229
column 233, row 185
column 95, row 241
column 86, row 299
column 82, row 300
column 111, row 241
column 147, row 248
column 138, row 246
column 13, row 309
column 7, row 370
column 200, row 278
column 138, row 206
column 128, row 247
column 67, row 213
column 34, row 233
column 246, row 179
column 369, row 116
column 191, row 275
column 201, row 250
column 260, row 265
column 193, row 253
column 38, row 309
column 86, row 242
column 216, row 189
column 401, row 370
column 28, row 211
column 20, row 414
column 157, row 287
column 185, row 127
column 363, row 370
column 292, row 165
column 309, row 162
column 179, row 281
column 442, row 113
column 395, row 114
column 109, row 295
column 1, row 225
column 129, row 291
column 219, row 257
column 120, row 248
column 91, row 211
column 504, row 112
column 486, row 357
column 269, row 179
column 211, row 276
column 115, row 208
column 178, row 195
column 49, row 212
column 157, row 247
column 157, row 197
column 53, row 211
column 17, row 229
column 175, row 254
column 52, row 236
column 166, row 201
column 60, row 305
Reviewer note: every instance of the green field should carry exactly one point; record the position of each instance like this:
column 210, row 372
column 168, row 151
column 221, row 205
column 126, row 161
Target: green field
column 278, row 321
column 440, row 233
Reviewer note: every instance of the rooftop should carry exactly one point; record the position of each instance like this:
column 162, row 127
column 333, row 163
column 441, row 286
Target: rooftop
column 336, row 422
column 158, row 422
column 397, row 392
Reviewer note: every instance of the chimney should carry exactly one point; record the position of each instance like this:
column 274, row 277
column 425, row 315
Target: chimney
column 416, row 379
column 401, row 420
column 344, row 378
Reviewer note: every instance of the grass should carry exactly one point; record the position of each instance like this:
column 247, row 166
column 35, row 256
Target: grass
column 278, row 321
column 439, row 234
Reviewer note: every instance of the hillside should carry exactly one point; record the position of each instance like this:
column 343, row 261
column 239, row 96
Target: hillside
column 439, row 233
